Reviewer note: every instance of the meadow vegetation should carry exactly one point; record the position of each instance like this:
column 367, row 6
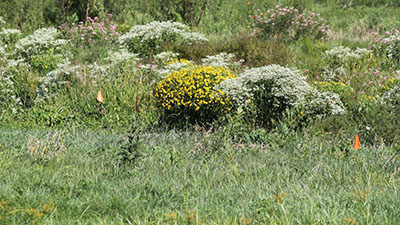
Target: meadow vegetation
column 199, row 112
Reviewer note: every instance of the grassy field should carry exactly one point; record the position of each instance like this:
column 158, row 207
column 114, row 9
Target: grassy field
column 96, row 126
column 288, row 178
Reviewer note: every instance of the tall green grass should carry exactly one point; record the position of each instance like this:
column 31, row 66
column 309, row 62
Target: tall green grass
column 289, row 178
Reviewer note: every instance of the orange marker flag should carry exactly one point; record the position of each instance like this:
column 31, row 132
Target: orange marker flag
column 357, row 143
column 100, row 97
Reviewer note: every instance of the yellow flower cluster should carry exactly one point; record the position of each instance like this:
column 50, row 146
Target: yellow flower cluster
column 193, row 88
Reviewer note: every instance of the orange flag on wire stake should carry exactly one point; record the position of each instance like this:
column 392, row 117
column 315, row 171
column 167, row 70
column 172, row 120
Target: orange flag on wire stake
column 100, row 97
column 357, row 143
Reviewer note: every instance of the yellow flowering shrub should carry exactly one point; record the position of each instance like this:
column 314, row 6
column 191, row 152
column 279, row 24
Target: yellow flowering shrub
column 189, row 93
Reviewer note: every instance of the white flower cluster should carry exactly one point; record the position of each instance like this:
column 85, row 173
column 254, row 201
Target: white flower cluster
column 341, row 59
column 323, row 104
column 2, row 52
column 345, row 54
column 122, row 56
column 275, row 82
column 223, row 59
column 38, row 42
column 164, row 57
column 9, row 36
column 151, row 35
column 7, row 86
column 285, row 82
column 165, row 63
column 392, row 97
column 174, row 65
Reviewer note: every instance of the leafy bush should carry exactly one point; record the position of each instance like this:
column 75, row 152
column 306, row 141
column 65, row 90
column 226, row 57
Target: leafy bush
column 268, row 92
column 289, row 23
column 148, row 39
column 189, row 93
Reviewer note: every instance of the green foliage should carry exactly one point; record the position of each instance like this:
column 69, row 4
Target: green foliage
column 45, row 62
column 185, row 11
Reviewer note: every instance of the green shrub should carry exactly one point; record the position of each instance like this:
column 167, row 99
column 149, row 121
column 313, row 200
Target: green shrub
column 189, row 93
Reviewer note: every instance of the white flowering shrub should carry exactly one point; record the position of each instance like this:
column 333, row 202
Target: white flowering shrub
column 41, row 41
column 70, row 74
column 223, row 59
column 322, row 104
column 268, row 92
column 173, row 65
column 164, row 57
column 392, row 97
column 148, row 39
column 165, row 63
column 10, row 36
column 343, row 60
column 122, row 56
column 13, row 84
column 2, row 21
column 343, row 55
column 8, row 96
column 2, row 54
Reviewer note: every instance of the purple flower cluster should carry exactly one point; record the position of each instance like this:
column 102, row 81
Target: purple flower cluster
column 92, row 30
column 289, row 22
